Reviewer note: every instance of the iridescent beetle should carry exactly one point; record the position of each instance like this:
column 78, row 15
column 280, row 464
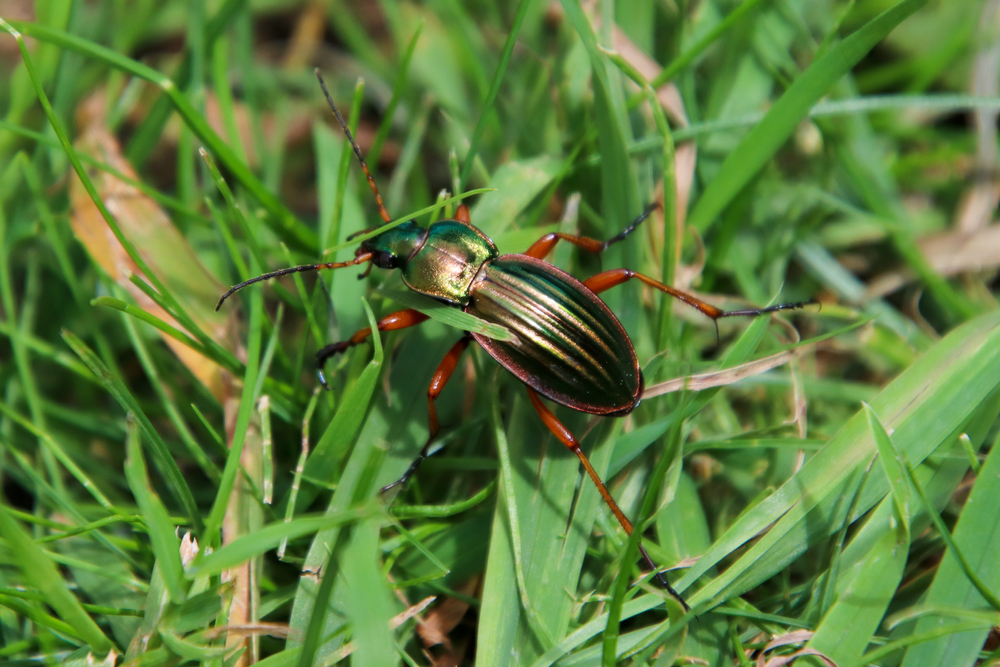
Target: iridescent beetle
column 567, row 345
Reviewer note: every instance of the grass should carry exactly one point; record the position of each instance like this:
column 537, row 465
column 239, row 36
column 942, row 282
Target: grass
column 175, row 487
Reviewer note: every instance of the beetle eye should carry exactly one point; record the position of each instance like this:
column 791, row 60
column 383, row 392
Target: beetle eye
column 385, row 260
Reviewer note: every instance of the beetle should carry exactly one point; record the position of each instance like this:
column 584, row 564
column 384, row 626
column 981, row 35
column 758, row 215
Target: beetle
column 567, row 345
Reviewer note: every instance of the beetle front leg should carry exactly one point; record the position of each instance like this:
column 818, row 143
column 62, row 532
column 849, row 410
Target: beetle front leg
column 401, row 319
column 543, row 246
column 567, row 438
column 441, row 376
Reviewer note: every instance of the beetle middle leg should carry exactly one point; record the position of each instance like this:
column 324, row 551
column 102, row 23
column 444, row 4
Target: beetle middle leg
column 441, row 376
column 543, row 246
column 567, row 438
column 401, row 319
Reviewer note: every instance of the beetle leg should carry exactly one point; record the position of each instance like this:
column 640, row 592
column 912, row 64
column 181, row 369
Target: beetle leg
column 614, row 277
column 462, row 214
column 440, row 379
column 543, row 246
column 401, row 319
column 567, row 438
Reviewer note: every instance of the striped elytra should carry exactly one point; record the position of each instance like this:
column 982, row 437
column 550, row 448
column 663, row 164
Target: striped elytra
column 568, row 346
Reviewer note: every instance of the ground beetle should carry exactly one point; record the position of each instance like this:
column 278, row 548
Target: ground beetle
column 567, row 345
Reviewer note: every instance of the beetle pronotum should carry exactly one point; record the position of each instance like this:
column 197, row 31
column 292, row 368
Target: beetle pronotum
column 567, row 345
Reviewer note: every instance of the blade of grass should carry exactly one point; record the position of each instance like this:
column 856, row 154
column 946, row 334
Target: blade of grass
column 691, row 53
column 167, row 201
column 178, row 335
column 976, row 536
column 412, row 216
column 535, row 622
column 282, row 221
column 169, row 405
column 928, row 402
column 893, row 467
column 40, row 572
column 225, row 491
column 323, row 462
column 866, row 591
column 269, row 537
column 149, row 131
column 293, row 493
column 761, row 143
column 164, row 461
column 491, row 96
column 397, row 91
column 159, row 527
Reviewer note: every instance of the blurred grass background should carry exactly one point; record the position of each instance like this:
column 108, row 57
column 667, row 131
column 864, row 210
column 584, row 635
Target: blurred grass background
column 176, row 488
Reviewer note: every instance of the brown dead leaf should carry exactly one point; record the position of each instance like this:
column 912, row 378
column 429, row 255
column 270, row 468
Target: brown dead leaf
column 948, row 253
column 14, row 10
column 795, row 637
column 153, row 234
column 721, row 378
column 782, row 660
column 440, row 621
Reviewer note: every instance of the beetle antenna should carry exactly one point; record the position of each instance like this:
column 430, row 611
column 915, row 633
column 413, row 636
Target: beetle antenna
column 359, row 259
column 357, row 149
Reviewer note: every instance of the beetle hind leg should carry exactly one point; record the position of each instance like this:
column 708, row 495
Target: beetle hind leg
column 614, row 277
column 567, row 438
column 401, row 319
column 441, row 376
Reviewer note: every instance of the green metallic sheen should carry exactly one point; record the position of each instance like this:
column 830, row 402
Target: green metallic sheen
column 568, row 346
column 399, row 242
column 447, row 262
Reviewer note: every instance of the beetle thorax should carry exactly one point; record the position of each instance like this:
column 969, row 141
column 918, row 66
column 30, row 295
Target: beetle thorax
column 447, row 261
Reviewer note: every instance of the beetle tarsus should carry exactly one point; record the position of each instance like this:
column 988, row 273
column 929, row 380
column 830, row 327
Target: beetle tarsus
column 322, row 379
column 661, row 578
column 424, row 453
column 324, row 354
column 631, row 228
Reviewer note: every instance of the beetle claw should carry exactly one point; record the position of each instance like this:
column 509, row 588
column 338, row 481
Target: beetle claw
column 329, row 351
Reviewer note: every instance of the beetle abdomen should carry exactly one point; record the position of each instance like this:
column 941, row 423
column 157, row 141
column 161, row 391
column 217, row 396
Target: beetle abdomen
column 568, row 345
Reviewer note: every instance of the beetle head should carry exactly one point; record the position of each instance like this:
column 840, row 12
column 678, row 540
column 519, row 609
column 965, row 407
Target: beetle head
column 391, row 249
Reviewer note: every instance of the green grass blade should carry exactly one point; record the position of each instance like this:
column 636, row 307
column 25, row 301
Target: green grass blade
column 491, row 96
column 895, row 472
column 928, row 402
column 269, row 537
column 761, row 143
column 164, row 461
column 224, row 494
column 282, row 221
column 978, row 536
column 322, row 464
column 40, row 572
column 162, row 535
column 397, row 90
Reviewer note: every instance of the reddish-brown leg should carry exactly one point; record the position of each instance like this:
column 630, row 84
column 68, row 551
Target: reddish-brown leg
column 462, row 214
column 441, row 376
column 568, row 439
column 401, row 319
column 543, row 246
column 614, row 277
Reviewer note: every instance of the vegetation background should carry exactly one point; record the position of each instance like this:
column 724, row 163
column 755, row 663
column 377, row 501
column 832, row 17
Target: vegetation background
column 176, row 488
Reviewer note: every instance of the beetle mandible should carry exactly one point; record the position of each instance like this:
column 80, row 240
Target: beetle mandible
column 567, row 344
